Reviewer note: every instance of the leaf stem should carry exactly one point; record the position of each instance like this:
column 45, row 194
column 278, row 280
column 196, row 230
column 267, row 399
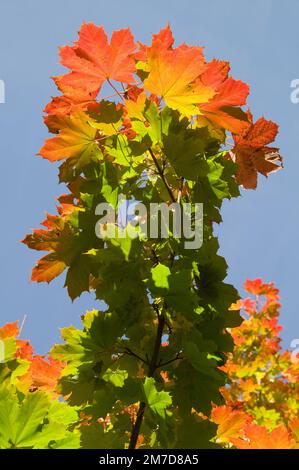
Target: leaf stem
column 115, row 89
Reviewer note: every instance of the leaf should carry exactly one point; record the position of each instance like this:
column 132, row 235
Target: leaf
column 173, row 75
column 77, row 278
column 116, row 377
column 157, row 401
column 252, row 154
column 10, row 330
column 257, row 437
column 43, row 373
column 47, row 268
column 185, row 150
column 230, row 422
column 75, row 140
column 20, row 422
column 160, row 274
column 30, row 416
column 92, row 60
column 175, row 287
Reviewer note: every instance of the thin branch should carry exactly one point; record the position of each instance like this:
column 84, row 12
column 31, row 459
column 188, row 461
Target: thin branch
column 161, row 173
column 176, row 358
column 156, row 259
column 131, row 353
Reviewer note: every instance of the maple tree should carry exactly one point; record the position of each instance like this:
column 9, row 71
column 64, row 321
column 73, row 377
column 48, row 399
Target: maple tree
column 144, row 370
column 261, row 409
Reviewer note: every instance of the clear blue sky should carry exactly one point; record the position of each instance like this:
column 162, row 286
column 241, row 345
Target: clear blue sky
column 259, row 236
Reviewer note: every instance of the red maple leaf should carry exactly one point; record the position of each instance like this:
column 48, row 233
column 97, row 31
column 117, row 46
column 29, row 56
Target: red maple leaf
column 252, row 154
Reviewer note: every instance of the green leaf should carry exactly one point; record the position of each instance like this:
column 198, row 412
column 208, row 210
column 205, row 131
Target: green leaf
column 117, row 377
column 157, row 401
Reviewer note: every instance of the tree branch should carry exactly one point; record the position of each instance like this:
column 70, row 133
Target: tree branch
column 131, row 353
column 161, row 173
column 176, row 358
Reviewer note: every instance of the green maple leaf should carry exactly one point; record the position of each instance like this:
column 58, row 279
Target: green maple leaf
column 158, row 402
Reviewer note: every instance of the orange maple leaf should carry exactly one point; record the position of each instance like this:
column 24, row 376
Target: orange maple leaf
column 223, row 110
column 258, row 437
column 92, row 60
column 174, row 73
column 10, row 330
column 44, row 373
column 24, row 350
column 76, row 139
column 71, row 100
column 252, row 154
column 230, row 422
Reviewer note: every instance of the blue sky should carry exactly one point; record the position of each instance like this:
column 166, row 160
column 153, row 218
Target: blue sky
column 259, row 235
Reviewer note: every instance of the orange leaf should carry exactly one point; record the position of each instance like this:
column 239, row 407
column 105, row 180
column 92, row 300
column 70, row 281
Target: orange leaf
column 10, row 330
column 44, row 374
column 221, row 110
column 173, row 75
column 92, row 60
column 47, row 268
column 294, row 426
column 76, row 139
column 257, row 437
column 230, row 422
column 252, row 154
column 24, row 350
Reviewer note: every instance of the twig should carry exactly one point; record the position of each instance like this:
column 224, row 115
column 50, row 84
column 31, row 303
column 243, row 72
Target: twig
column 131, row 353
column 176, row 358
column 161, row 173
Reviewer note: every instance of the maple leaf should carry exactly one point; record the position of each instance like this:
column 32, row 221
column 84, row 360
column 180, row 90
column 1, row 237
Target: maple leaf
column 258, row 437
column 10, row 330
column 76, row 139
column 44, row 373
column 230, row 422
column 252, row 154
column 161, row 41
column 47, row 268
column 174, row 75
column 92, row 60
column 24, row 350
column 72, row 99
column 294, row 426
column 258, row 287
column 57, row 238
column 223, row 109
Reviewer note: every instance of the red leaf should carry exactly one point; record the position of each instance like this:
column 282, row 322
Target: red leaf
column 252, row 154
